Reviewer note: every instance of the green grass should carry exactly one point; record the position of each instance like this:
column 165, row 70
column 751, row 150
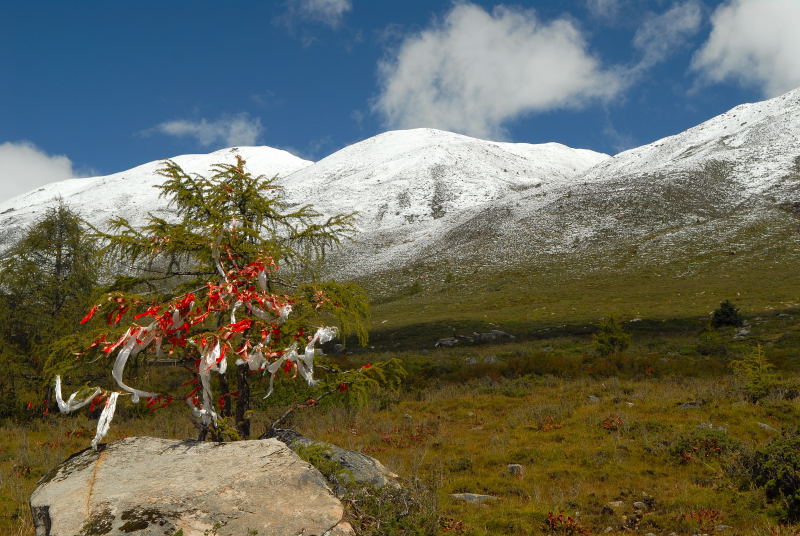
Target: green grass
column 463, row 436
column 588, row 429
column 545, row 296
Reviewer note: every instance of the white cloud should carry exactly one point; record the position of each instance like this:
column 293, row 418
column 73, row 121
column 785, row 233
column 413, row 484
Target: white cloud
column 604, row 9
column 330, row 12
column 753, row 42
column 660, row 35
column 226, row 131
column 475, row 71
column 23, row 167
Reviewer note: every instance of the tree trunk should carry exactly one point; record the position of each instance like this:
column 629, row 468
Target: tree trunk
column 226, row 410
column 243, row 402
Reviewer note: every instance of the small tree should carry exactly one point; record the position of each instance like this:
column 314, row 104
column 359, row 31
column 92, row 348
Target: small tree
column 755, row 374
column 611, row 338
column 232, row 304
column 726, row 315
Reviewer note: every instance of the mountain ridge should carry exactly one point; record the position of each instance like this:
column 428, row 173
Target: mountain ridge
column 431, row 196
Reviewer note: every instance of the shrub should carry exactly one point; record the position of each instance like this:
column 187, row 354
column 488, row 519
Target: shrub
column 704, row 519
column 726, row 315
column 755, row 374
column 388, row 511
column 776, row 468
column 613, row 423
column 704, row 443
column 611, row 338
column 564, row 525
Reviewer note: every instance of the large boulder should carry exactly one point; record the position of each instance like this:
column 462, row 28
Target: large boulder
column 144, row 486
column 357, row 468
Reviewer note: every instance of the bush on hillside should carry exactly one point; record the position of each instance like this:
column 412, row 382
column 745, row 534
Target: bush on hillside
column 726, row 315
column 776, row 468
column 611, row 338
column 704, row 443
column 755, row 374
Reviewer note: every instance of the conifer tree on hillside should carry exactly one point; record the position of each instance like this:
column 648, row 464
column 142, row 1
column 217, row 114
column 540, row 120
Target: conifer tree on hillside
column 206, row 289
column 46, row 279
column 47, row 275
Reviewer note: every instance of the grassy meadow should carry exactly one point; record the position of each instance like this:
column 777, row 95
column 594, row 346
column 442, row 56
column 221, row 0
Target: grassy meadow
column 652, row 439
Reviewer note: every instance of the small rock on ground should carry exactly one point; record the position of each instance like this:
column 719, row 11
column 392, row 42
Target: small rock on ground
column 474, row 498
column 516, row 469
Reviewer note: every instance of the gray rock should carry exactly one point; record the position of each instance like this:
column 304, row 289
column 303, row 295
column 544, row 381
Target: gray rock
column 490, row 336
column 720, row 528
column 447, row 342
column 470, row 361
column 483, row 337
column 516, row 469
column 639, row 505
column 615, row 504
column 143, row 486
column 474, row 498
column 501, row 334
column 765, row 426
column 358, row 467
column 491, row 359
column 592, row 399
column 742, row 333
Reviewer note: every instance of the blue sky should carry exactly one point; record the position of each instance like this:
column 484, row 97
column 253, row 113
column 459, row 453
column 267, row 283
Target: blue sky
column 94, row 87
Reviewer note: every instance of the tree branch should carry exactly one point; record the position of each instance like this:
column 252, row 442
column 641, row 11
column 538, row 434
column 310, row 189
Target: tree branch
column 310, row 403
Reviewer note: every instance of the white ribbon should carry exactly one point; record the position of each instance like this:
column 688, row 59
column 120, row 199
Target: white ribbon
column 71, row 404
column 132, row 347
column 104, row 422
column 304, row 361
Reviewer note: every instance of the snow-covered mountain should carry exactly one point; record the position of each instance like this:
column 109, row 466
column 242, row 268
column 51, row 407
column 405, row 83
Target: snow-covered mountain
column 401, row 183
column 426, row 195
column 132, row 193
column 711, row 191
column 417, row 176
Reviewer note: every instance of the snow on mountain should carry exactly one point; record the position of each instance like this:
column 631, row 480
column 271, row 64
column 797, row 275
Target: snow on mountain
column 761, row 139
column 409, row 178
column 132, row 193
